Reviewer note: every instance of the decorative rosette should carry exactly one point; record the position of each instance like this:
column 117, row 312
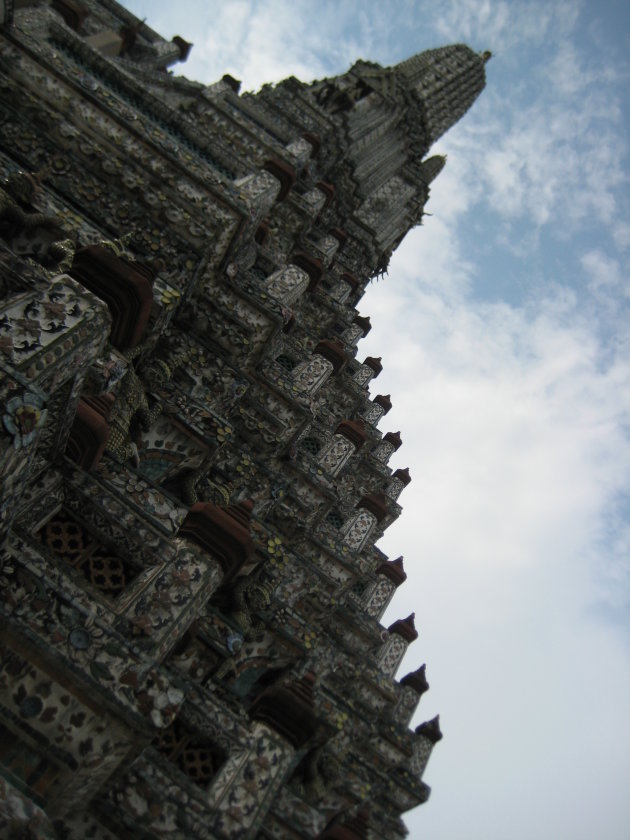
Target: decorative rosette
column 23, row 416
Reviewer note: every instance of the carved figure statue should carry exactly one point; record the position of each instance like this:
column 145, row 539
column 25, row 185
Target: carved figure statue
column 317, row 773
column 17, row 195
column 62, row 253
column 135, row 407
column 336, row 100
column 249, row 596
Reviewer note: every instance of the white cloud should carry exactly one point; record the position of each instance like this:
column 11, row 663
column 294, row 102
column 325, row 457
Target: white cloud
column 502, row 26
column 517, row 439
column 603, row 270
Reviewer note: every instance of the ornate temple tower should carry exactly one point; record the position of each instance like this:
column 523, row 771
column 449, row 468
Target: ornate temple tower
column 192, row 477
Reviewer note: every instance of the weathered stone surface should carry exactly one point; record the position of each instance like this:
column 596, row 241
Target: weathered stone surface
column 191, row 478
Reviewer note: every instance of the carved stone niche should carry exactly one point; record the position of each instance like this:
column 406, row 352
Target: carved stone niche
column 262, row 232
column 72, row 12
column 90, row 431
column 315, row 140
column 223, row 532
column 340, row 235
column 332, row 350
column 284, row 172
column 289, row 709
column 125, row 286
column 354, row 828
column 327, row 189
column 311, row 265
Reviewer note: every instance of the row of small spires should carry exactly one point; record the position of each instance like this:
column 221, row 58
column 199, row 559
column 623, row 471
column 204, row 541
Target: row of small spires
column 290, row 710
column 228, row 538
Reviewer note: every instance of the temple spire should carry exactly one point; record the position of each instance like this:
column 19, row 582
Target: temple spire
column 447, row 81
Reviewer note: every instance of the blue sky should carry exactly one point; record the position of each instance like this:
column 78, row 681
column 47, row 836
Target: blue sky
column 503, row 326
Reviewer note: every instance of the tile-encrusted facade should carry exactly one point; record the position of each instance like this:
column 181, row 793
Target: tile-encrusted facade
column 191, row 475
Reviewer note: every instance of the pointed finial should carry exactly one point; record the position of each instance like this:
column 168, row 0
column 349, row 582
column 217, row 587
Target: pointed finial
column 431, row 167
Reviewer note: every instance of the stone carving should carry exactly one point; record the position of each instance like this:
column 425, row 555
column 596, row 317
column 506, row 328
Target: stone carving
column 317, row 774
column 110, row 585
column 336, row 454
column 363, row 375
column 250, row 596
column 311, row 374
column 372, row 413
column 391, row 654
column 135, row 406
column 358, row 529
column 17, row 194
column 383, row 451
column 288, row 284
column 379, row 597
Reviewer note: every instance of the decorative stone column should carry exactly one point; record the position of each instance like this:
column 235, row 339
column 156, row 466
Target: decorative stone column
column 321, row 195
column 327, row 246
column 52, row 332
column 374, row 410
column 301, row 150
column 166, row 599
column 22, row 419
column 327, row 359
column 223, row 532
column 413, row 686
column 397, row 483
column 311, row 265
column 359, row 328
column 342, row 289
column 390, row 443
column 401, row 634
column 288, row 284
column 283, row 721
column 427, row 736
column 221, row 88
column 262, row 189
column 371, row 510
column 348, row 438
column 259, row 190
column 369, row 370
column 389, row 576
column 315, row 199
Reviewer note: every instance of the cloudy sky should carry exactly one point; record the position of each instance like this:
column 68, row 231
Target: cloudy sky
column 503, row 326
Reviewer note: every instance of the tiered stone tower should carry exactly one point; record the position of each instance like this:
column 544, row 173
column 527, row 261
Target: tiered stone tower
column 192, row 476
